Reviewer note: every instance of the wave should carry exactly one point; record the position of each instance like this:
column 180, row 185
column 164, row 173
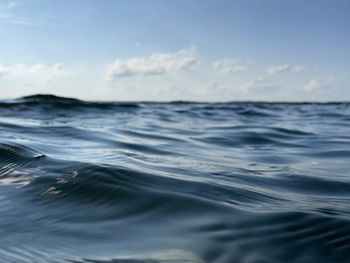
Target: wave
column 173, row 182
column 50, row 104
column 225, row 214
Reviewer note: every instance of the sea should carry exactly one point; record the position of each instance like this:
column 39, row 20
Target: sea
column 152, row 182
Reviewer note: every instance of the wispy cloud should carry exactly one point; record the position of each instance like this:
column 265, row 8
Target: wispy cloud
column 312, row 85
column 321, row 86
column 11, row 4
column 39, row 71
column 275, row 70
column 4, row 71
column 256, row 83
column 9, row 15
column 8, row 5
column 20, row 20
column 156, row 64
column 230, row 66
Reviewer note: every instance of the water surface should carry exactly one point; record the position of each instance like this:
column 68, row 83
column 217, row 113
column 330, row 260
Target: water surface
column 174, row 182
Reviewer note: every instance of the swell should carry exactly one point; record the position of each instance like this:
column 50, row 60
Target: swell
column 45, row 104
column 173, row 182
column 280, row 237
column 105, row 184
column 98, row 194
column 100, row 182
column 48, row 102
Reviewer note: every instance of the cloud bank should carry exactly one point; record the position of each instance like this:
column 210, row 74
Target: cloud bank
column 156, row 64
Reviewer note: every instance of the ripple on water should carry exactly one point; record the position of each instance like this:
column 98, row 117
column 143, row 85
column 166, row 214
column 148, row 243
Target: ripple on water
column 173, row 182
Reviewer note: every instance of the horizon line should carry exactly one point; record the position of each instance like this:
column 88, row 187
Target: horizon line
column 48, row 96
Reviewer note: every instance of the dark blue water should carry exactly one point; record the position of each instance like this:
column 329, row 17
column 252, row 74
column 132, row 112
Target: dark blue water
column 174, row 182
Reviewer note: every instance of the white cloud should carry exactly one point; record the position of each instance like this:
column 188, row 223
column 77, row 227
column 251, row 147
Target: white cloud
column 257, row 83
column 312, row 85
column 37, row 68
column 324, row 87
column 39, row 71
column 25, row 79
column 275, row 70
column 226, row 66
column 156, row 64
column 9, row 15
column 4, row 71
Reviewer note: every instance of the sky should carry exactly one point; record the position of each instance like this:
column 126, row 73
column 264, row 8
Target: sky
column 165, row 50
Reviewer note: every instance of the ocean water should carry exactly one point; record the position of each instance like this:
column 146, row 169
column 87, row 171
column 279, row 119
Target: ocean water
column 174, row 182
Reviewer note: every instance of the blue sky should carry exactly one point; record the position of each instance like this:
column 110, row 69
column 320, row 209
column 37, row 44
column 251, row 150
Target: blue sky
column 176, row 50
